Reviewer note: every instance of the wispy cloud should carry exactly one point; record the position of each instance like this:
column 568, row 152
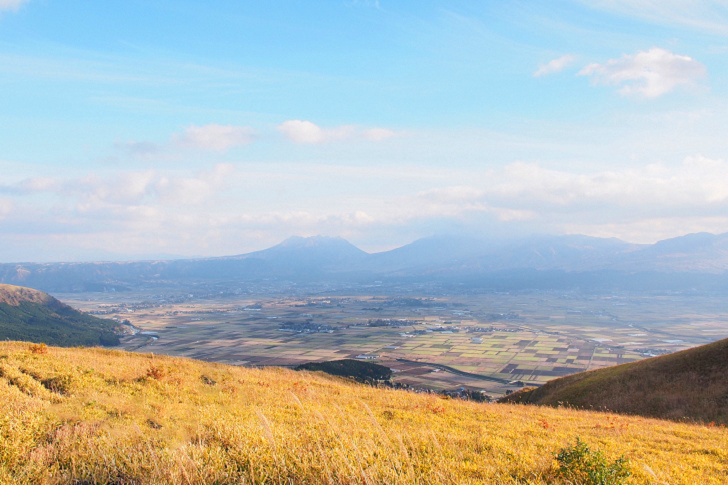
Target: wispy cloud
column 706, row 15
column 212, row 137
column 307, row 132
column 127, row 188
column 6, row 205
column 138, row 149
column 215, row 137
column 649, row 74
column 299, row 131
column 11, row 4
column 555, row 65
column 378, row 134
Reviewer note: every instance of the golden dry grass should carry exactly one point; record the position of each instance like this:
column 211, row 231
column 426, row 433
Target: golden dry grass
column 14, row 295
column 98, row 416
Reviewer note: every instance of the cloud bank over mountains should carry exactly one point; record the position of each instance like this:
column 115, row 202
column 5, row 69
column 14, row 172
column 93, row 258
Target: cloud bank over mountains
column 219, row 209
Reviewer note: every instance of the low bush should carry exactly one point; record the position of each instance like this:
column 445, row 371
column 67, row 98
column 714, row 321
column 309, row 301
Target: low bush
column 582, row 466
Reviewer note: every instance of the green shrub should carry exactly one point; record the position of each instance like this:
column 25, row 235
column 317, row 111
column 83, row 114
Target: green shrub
column 583, row 466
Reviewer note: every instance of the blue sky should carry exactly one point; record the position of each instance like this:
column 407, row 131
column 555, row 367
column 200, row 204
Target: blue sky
column 136, row 128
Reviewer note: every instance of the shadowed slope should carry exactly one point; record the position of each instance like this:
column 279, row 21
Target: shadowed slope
column 692, row 384
column 34, row 316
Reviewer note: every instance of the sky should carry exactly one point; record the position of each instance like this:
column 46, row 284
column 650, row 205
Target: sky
column 158, row 128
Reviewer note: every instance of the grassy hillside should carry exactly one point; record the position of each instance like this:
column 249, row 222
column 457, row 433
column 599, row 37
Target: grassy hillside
column 34, row 316
column 691, row 384
column 100, row 416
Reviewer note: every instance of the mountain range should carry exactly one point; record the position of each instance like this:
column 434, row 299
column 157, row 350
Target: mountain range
column 538, row 261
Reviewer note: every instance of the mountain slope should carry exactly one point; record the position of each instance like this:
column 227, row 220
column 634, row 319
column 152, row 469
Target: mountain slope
column 316, row 253
column 34, row 316
column 697, row 253
column 569, row 253
column 691, row 385
column 429, row 253
column 76, row 416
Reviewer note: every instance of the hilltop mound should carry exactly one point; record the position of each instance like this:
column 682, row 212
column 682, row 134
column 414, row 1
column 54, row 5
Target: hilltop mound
column 75, row 416
column 354, row 369
column 34, row 316
column 15, row 295
column 691, row 385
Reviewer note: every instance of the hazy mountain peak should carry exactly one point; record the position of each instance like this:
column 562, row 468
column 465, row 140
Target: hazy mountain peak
column 313, row 241
column 688, row 242
column 327, row 243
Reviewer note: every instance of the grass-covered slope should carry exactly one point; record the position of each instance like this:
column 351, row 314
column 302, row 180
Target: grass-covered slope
column 72, row 416
column 34, row 316
column 692, row 385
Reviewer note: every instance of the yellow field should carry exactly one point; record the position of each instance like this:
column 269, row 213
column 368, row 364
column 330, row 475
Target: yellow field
column 96, row 416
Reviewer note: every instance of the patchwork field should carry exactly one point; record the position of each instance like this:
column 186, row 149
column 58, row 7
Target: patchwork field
column 493, row 342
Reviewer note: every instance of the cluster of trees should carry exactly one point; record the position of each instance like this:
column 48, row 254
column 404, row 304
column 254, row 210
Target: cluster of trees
column 360, row 371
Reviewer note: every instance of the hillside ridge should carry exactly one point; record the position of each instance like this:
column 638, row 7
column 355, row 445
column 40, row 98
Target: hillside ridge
column 686, row 385
column 15, row 295
column 34, row 316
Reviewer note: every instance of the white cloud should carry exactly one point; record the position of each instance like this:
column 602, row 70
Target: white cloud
column 129, row 189
column 211, row 137
column 36, row 184
column 458, row 202
column 378, row 134
column 307, row 132
column 193, row 190
column 692, row 195
column 6, row 205
column 649, row 73
column 452, row 194
column 554, row 66
column 215, row 137
column 300, row 131
column 11, row 4
column 698, row 185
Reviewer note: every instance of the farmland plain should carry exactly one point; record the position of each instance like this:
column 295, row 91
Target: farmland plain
column 493, row 341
